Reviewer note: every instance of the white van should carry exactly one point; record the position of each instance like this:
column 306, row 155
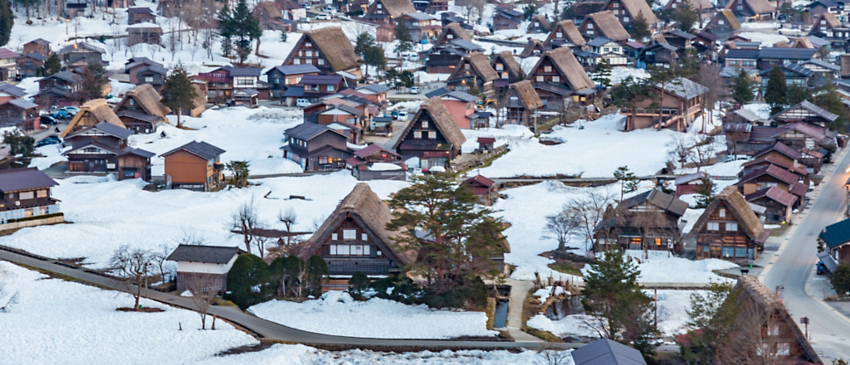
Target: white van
column 402, row 116
column 302, row 103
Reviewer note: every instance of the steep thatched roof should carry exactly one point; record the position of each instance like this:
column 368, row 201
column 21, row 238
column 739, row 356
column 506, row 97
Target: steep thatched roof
column 335, row 46
column 635, row 7
column 608, row 26
column 530, row 46
column 441, row 118
column 267, row 9
column 147, row 97
column 757, row 6
column 831, row 20
column 574, row 74
column 397, row 8
column 526, row 93
column 729, row 17
column 543, row 21
column 91, row 113
column 802, row 42
column 481, row 64
column 748, row 222
column 365, row 207
column 457, row 30
column 200, row 98
column 570, row 31
column 510, row 62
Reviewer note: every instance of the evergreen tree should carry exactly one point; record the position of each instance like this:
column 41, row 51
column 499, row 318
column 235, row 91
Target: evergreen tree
column 178, row 93
column 358, row 282
column 405, row 40
column 226, row 30
column 640, row 29
column 283, row 36
column 247, row 281
column 742, row 89
column 93, row 78
column 602, row 73
column 611, row 292
column 628, row 93
column 795, row 95
column 19, row 144
column 628, row 181
column 713, row 321
column 827, row 97
column 528, row 11
column 246, row 29
column 52, row 65
column 375, row 57
column 317, row 271
column 686, row 16
column 841, row 279
column 706, row 191
column 776, row 91
column 7, row 19
column 362, row 43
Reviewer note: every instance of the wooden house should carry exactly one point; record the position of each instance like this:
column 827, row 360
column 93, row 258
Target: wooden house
column 483, row 188
column 138, row 15
column 80, row 54
column 773, row 56
column 39, row 46
column 352, row 118
column 649, row 220
column 194, row 166
column 58, row 89
column 103, row 149
column 800, row 135
column 780, row 151
column 506, row 19
column 822, row 70
column 354, row 238
column 508, row 69
column 224, row 84
column 92, row 113
column 20, row 113
column 521, row 103
column 558, row 75
column 723, row 23
column 431, row 6
column 807, row 112
column 473, row 75
column 316, row 147
column 432, row 136
column 690, row 183
column 609, row 51
column 534, row 48
column 766, row 177
column 728, row 229
column 25, row 193
column 146, row 71
column 538, row 24
column 30, row 64
column 377, row 93
column 604, row 24
column 141, row 110
column 376, row 163
column 8, row 65
column 819, row 7
column 147, row 33
column 626, row 11
column 564, row 33
column 681, row 103
column 704, row 8
column 837, row 239
column 328, row 49
column 751, row 9
column 795, row 75
column 829, row 27
column 423, row 27
column 387, row 11
column 778, row 203
column 742, row 116
column 282, row 77
column 459, row 104
column 451, row 32
column 768, row 160
column 10, row 92
column 660, row 54
column 202, row 268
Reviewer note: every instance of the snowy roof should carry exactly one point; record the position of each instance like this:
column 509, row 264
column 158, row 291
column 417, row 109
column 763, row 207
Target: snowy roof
column 201, row 149
column 145, row 25
column 605, row 351
column 205, row 254
column 659, row 199
column 747, row 115
column 23, row 179
column 420, row 16
column 684, row 179
column 465, row 44
column 22, row 103
column 685, row 88
column 823, row 64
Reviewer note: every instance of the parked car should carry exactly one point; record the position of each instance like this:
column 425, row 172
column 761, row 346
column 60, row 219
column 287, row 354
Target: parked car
column 329, row 9
column 324, row 17
column 305, row 19
column 414, row 57
column 60, row 114
column 414, row 90
column 53, row 139
column 71, row 110
column 402, row 116
column 46, row 119
column 301, row 103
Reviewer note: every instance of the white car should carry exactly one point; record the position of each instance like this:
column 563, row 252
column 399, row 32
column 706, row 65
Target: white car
column 413, row 57
column 302, row 103
column 402, row 116
column 323, row 17
column 414, row 90
column 329, row 9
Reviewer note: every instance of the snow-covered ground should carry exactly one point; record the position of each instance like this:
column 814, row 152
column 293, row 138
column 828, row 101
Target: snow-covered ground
column 107, row 214
column 660, row 268
column 303, row 355
column 336, row 313
column 766, row 39
column 760, row 109
column 595, row 151
column 57, row 321
column 503, row 135
column 620, row 73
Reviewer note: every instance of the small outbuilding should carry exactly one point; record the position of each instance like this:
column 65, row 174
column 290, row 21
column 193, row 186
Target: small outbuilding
column 203, row 268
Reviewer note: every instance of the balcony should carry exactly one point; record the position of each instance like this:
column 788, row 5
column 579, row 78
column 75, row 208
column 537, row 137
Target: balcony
column 17, row 214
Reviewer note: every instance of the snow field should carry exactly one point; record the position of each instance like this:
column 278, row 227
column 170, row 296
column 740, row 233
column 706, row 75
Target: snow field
column 662, row 269
column 336, row 313
column 56, row 321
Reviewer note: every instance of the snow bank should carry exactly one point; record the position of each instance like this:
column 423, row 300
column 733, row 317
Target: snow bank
column 52, row 154
column 56, row 321
column 571, row 325
column 336, row 313
column 595, row 151
column 618, row 74
column 766, row 39
column 503, row 135
column 659, row 268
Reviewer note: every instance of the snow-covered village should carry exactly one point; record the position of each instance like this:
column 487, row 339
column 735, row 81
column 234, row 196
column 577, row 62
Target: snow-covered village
column 554, row 182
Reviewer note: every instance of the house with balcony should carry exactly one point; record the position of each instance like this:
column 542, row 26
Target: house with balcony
column 328, row 49
column 423, row 28
column 224, row 82
column 141, row 110
column 139, row 15
column 314, row 87
column 25, row 196
column 431, row 6
column 608, row 50
column 92, row 113
column 829, row 27
column 80, row 54
column 194, row 166
column 626, row 11
column 558, row 75
column 751, row 9
column 316, row 147
column 146, row 71
column 20, row 113
column 773, row 56
column 681, row 103
column 723, row 24
column 521, row 103
column 538, row 25
column 282, row 77
column 604, row 24
column 432, row 136
column 30, row 64
column 103, row 149
column 39, row 46
column 58, row 90
column 506, row 19
column 508, row 69
column 564, row 33
column 728, row 229
column 473, row 75
column 647, row 221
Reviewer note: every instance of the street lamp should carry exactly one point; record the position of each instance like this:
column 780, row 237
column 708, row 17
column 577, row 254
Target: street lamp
column 66, row 25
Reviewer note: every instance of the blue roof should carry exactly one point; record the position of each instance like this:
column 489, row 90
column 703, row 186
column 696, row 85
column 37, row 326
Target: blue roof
column 599, row 42
column 749, row 54
column 787, row 53
column 836, row 234
column 295, row 69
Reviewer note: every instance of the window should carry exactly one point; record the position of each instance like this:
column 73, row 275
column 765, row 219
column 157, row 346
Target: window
column 331, row 88
column 556, row 79
column 323, row 160
column 731, row 227
column 539, row 78
column 625, row 19
column 321, row 61
column 728, row 251
column 41, row 193
column 740, row 7
column 148, row 79
column 417, row 135
column 823, row 22
column 740, row 252
column 343, row 249
column 309, row 53
column 450, row 36
column 616, row 5
column 432, row 135
column 559, row 35
column 589, row 32
column 364, row 237
column 379, row 6
column 720, row 21
column 424, row 124
column 308, row 44
column 722, row 213
column 589, row 25
column 357, row 250
column 783, row 349
column 673, row 6
column 713, row 226
column 277, row 80
column 131, row 101
column 296, row 61
column 379, row 253
column 547, row 68
column 334, row 237
column 466, row 66
column 26, row 195
column 499, row 67
column 504, row 75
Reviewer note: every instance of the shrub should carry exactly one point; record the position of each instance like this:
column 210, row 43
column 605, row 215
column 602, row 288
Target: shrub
column 247, row 281
column 358, row 282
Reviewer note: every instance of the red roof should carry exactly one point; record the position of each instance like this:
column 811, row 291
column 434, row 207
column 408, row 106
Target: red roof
column 481, row 180
column 770, row 159
column 486, row 140
column 777, row 172
column 774, row 193
column 5, row 53
column 370, row 149
column 799, row 189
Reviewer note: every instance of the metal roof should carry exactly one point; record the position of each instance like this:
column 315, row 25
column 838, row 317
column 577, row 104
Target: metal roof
column 12, row 90
column 23, row 179
column 22, row 103
column 465, row 44
column 201, row 149
column 599, row 42
column 295, row 69
column 5, row 53
column 306, row 131
column 375, row 88
column 421, row 16
column 680, row 33
column 750, row 54
column 320, row 80
column 787, row 53
column 823, row 64
column 107, row 128
column 250, row 71
column 607, row 352
column 206, row 254
column 836, row 234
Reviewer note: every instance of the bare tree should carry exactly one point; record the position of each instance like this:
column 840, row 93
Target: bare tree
column 134, row 266
column 703, row 151
column 193, row 49
column 709, row 77
column 590, row 210
column 134, row 48
column 548, row 354
column 682, row 149
column 208, row 37
column 172, row 45
column 561, row 227
column 204, row 289
column 245, row 223
column 289, row 219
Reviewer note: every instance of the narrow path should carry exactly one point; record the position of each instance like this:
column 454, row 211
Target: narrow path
column 259, row 326
column 519, row 290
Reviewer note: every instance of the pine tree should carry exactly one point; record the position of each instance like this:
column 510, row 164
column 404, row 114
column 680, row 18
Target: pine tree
column 225, row 30
column 628, row 181
column 363, row 42
column 827, row 97
column 706, row 191
column 178, row 93
column 246, row 29
column 712, row 321
column 93, row 78
column 283, row 36
column 602, row 73
column 742, row 89
column 375, row 57
column 528, row 11
column 52, row 65
column 405, row 40
column 686, row 16
column 776, row 91
column 640, row 29
column 796, row 94
column 7, row 19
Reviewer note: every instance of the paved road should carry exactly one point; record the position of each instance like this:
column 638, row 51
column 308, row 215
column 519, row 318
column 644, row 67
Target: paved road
column 792, row 267
column 263, row 327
